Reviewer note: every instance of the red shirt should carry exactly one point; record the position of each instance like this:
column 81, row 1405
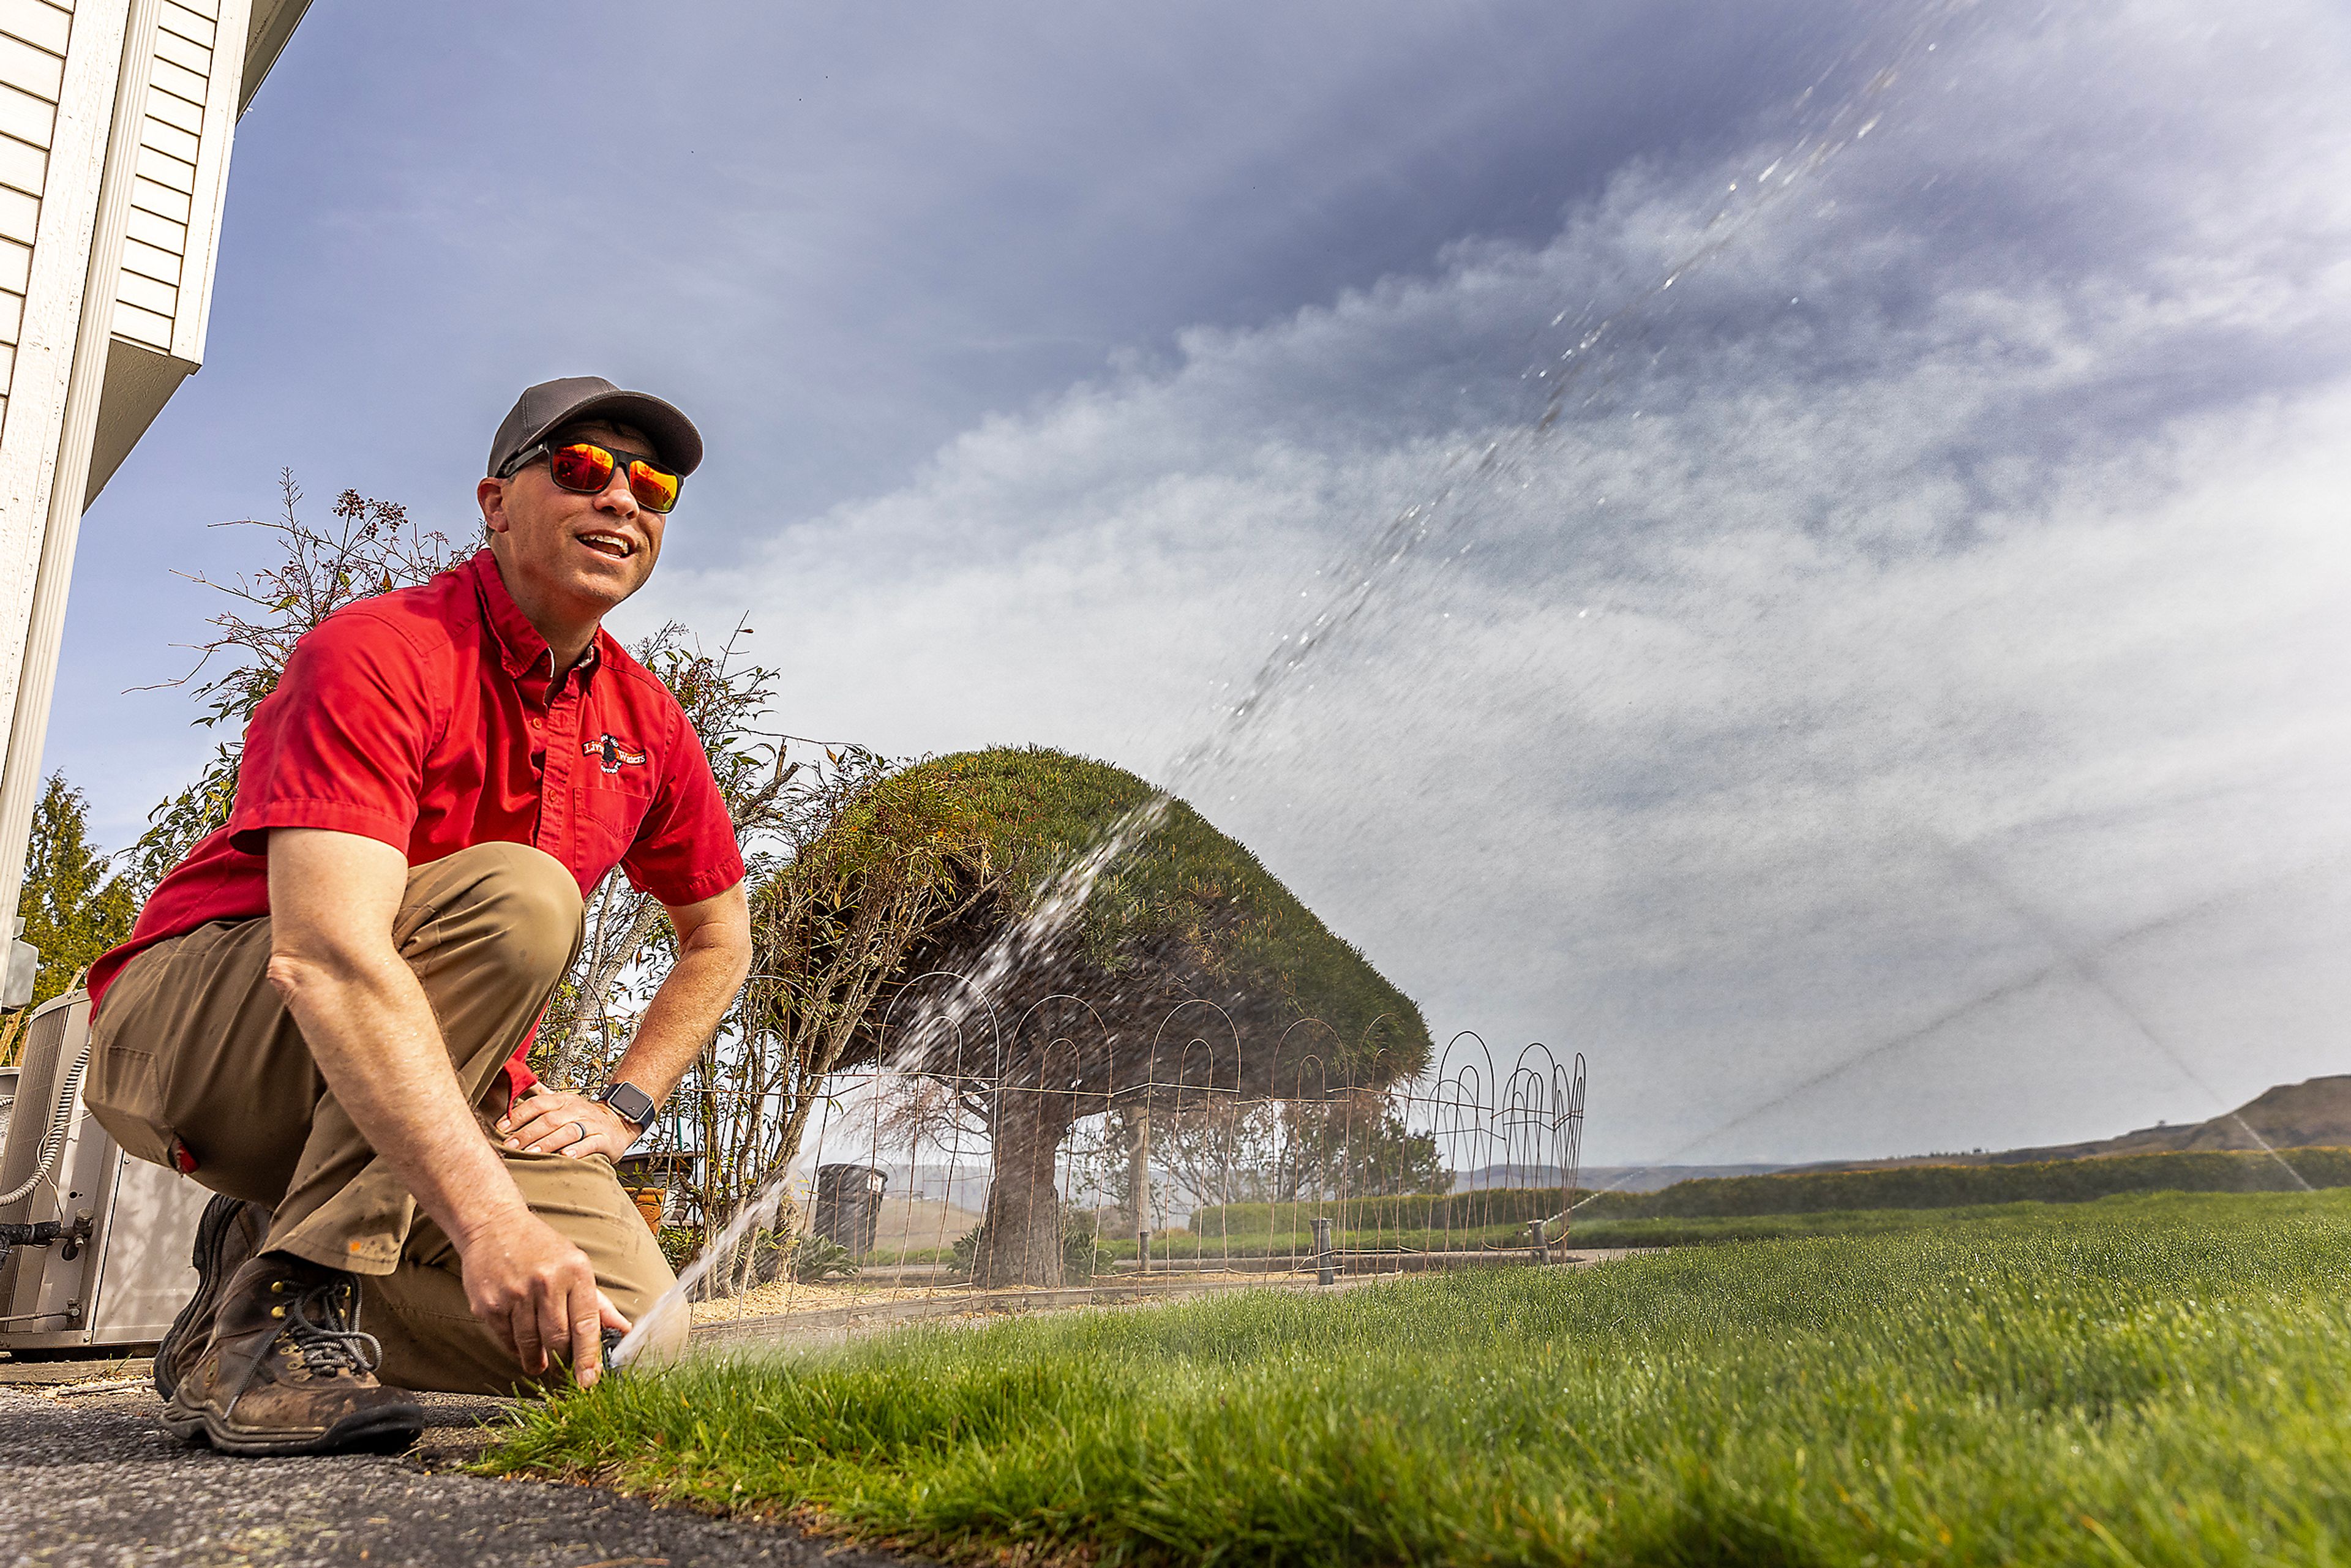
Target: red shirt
column 430, row 719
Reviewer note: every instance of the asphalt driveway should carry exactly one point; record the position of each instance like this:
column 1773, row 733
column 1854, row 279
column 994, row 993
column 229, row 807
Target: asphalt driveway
column 93, row 1478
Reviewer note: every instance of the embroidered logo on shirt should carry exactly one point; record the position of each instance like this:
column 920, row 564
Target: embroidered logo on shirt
column 611, row 754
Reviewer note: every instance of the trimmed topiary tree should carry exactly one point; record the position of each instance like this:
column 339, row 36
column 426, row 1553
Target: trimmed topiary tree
column 928, row 866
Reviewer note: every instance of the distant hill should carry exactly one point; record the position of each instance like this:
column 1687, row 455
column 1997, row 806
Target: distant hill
column 1948, row 1186
column 2314, row 1114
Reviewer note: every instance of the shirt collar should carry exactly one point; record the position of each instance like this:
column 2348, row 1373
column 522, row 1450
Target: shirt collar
column 520, row 647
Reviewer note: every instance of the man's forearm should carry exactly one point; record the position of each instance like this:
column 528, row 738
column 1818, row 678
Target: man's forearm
column 374, row 1035
column 683, row 1015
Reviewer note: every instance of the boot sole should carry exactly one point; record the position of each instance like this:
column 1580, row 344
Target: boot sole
column 395, row 1426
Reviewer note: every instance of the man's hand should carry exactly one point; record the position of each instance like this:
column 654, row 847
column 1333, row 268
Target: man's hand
column 538, row 1294
column 558, row 1122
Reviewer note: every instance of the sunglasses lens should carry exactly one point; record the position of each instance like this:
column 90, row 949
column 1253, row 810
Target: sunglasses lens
column 582, row 467
column 656, row 490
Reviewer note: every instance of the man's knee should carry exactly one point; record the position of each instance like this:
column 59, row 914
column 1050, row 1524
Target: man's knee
column 521, row 899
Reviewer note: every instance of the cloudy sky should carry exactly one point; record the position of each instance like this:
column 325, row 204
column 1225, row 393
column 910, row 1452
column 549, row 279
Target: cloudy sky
column 1819, row 529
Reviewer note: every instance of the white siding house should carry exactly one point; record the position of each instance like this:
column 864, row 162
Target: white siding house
column 116, row 118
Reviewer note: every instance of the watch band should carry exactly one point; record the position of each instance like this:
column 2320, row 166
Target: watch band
column 629, row 1103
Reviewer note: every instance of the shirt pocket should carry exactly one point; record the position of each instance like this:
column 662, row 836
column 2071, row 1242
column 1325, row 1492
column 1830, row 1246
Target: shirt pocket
column 616, row 806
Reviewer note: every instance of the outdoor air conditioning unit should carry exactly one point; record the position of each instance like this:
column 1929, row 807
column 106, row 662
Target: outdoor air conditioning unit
column 102, row 1254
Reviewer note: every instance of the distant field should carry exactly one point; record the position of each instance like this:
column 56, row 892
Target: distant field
column 2139, row 1380
column 1491, row 1210
column 1180, row 1247
column 1736, row 1209
column 1726, row 1208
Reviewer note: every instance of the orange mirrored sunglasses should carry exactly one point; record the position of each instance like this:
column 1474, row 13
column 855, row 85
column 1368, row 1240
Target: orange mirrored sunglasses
column 585, row 468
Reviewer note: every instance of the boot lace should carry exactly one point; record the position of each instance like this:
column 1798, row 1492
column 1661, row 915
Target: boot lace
column 328, row 1344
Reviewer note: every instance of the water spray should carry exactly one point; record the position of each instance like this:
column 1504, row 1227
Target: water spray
column 2077, row 960
column 1027, row 941
column 1362, row 577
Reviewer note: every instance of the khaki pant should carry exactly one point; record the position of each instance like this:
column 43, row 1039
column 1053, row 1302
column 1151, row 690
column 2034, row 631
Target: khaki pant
column 193, row 1046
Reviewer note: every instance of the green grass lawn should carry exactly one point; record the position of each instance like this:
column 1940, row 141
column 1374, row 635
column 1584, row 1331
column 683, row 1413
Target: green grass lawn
column 1703, row 1231
column 2159, row 1379
column 1185, row 1246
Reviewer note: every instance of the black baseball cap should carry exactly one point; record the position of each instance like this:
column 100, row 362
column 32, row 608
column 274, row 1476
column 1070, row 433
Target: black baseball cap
column 551, row 406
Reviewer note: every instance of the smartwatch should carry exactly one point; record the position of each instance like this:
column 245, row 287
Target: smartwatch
column 629, row 1103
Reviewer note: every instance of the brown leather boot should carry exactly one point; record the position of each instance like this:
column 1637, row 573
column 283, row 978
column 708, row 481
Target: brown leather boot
column 288, row 1370
column 230, row 1232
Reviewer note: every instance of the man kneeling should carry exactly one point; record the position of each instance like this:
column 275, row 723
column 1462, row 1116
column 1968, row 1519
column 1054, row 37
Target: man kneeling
column 323, row 1012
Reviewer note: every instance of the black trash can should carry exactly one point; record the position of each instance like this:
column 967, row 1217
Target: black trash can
column 849, row 1206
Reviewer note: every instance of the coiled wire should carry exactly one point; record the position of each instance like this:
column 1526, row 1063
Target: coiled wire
column 53, row 1142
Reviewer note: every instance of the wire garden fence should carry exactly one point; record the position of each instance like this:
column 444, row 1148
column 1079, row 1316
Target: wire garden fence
column 977, row 1154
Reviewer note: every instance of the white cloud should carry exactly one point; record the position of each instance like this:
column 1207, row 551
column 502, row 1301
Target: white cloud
column 1932, row 596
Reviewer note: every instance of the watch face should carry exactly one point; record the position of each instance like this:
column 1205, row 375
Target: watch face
column 631, row 1101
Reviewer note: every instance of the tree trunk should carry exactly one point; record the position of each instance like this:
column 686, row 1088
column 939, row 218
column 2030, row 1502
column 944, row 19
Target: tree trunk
column 1138, row 1169
column 1021, row 1233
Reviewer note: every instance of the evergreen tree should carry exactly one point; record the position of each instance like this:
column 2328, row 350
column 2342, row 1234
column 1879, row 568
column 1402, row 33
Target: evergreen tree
column 73, row 909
